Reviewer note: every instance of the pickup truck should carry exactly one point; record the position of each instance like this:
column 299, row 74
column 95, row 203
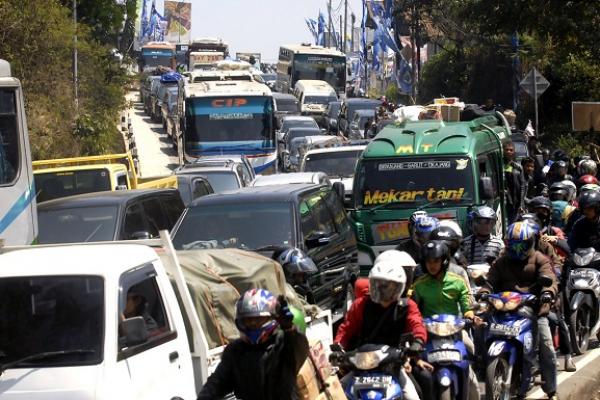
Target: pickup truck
column 78, row 175
column 123, row 321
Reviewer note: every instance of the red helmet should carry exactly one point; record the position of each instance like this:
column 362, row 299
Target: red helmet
column 587, row 179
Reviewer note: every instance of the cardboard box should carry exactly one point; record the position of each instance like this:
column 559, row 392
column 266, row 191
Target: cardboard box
column 307, row 381
column 320, row 359
column 333, row 388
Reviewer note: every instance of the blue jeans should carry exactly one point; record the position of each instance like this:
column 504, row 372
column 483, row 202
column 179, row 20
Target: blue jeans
column 545, row 345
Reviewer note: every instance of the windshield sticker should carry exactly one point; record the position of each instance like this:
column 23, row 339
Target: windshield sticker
column 393, row 196
column 414, row 165
column 230, row 116
column 462, row 164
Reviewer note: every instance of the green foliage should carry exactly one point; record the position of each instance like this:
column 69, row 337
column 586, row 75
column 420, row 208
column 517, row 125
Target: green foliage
column 392, row 94
column 38, row 42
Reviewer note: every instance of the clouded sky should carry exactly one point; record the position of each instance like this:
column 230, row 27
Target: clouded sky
column 262, row 25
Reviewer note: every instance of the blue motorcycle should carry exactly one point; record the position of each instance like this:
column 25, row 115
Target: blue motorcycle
column 446, row 351
column 509, row 340
column 374, row 372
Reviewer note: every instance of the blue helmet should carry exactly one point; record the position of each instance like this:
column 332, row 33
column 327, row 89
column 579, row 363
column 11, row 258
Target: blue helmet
column 521, row 240
column 256, row 303
column 423, row 228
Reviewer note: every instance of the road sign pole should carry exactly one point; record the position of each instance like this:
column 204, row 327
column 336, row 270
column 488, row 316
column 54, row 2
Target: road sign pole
column 535, row 96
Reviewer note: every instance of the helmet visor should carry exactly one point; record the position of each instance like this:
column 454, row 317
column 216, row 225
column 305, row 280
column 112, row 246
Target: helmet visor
column 383, row 291
column 519, row 249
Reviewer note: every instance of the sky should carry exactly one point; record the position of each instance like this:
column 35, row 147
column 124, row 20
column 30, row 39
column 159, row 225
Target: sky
column 261, row 25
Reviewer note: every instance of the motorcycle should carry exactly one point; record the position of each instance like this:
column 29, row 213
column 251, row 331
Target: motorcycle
column 446, row 351
column 583, row 296
column 510, row 344
column 477, row 274
column 374, row 371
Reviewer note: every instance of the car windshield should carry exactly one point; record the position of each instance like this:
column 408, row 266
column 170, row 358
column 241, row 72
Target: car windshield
column 298, row 123
column 77, row 224
column 53, row 185
column 51, row 314
column 287, row 105
column 248, row 225
column 412, row 182
column 362, row 105
column 221, row 181
column 269, row 77
column 323, row 100
column 334, row 109
column 340, row 164
column 298, row 133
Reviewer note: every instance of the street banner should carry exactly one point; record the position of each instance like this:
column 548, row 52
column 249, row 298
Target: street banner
column 179, row 21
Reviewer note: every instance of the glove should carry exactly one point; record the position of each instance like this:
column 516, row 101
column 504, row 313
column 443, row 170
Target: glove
column 546, row 297
column 283, row 314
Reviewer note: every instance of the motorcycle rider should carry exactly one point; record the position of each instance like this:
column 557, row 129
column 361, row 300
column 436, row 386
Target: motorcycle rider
column 482, row 247
column 264, row 362
column 586, row 232
column 382, row 316
column 420, row 226
column 518, row 270
column 543, row 209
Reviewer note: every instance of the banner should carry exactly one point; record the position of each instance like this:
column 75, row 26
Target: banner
column 179, row 21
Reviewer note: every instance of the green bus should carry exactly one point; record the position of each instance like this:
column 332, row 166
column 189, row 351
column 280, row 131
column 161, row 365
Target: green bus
column 445, row 168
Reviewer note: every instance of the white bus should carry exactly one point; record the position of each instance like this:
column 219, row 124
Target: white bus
column 298, row 62
column 230, row 117
column 18, row 216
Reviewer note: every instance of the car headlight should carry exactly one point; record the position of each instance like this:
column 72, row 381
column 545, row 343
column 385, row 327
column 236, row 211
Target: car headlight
column 444, row 328
column 367, row 360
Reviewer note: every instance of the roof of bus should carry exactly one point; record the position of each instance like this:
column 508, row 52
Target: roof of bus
column 314, row 86
column 436, row 137
column 118, row 167
column 158, row 45
column 299, row 48
column 227, row 88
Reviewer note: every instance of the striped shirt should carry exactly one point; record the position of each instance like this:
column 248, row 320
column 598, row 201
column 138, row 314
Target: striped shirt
column 478, row 252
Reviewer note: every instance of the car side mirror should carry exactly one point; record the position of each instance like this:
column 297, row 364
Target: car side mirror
column 138, row 235
column 338, row 187
column 121, row 187
column 134, row 330
column 317, row 239
column 486, row 188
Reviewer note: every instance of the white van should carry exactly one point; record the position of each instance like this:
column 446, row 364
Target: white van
column 314, row 97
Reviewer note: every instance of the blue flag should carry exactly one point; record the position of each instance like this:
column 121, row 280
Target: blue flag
column 312, row 27
column 321, row 30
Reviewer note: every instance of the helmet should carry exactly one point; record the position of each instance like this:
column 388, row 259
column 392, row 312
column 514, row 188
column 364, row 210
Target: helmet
column 447, row 235
column 453, row 225
column 521, row 240
column 587, row 167
column 559, row 155
column 483, row 220
column 544, row 203
column 299, row 320
column 436, row 249
column 589, row 187
column 559, row 191
column 532, row 220
column 398, row 257
column 387, row 278
column 415, row 216
column 294, row 262
column 571, row 187
column 587, row 179
column 558, row 210
column 423, row 228
column 589, row 199
column 256, row 303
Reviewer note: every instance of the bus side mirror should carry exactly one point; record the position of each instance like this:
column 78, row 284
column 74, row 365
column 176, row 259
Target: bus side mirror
column 486, row 188
column 338, row 187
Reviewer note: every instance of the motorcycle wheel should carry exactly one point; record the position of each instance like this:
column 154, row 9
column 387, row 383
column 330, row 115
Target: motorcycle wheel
column 446, row 394
column 497, row 381
column 579, row 328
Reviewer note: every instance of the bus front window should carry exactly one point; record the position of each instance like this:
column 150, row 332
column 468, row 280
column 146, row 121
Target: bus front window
column 331, row 69
column 9, row 138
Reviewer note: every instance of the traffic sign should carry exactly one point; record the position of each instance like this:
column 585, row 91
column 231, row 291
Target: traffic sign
column 541, row 83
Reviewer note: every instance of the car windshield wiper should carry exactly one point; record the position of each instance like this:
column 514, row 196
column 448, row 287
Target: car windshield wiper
column 432, row 203
column 40, row 356
column 269, row 247
column 386, row 205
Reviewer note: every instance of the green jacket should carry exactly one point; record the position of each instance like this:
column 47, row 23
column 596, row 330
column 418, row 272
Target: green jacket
column 449, row 295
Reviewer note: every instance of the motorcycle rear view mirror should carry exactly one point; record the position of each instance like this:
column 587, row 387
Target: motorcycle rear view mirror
column 545, row 281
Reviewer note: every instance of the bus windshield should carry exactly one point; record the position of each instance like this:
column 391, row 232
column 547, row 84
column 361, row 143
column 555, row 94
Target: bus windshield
column 9, row 138
column 157, row 57
column 413, row 182
column 331, row 69
column 53, row 185
column 241, row 119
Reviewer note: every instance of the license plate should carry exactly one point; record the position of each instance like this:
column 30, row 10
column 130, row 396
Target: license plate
column 443, row 356
column 370, row 380
column 504, row 330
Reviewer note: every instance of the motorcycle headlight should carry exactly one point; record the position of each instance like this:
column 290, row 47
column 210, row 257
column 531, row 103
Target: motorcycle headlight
column 498, row 304
column 511, row 305
column 444, row 328
column 367, row 360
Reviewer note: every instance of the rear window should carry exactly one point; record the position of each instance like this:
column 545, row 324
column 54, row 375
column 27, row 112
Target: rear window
column 55, row 185
column 73, row 225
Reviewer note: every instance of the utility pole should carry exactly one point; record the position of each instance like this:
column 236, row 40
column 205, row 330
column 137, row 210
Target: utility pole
column 341, row 46
column 353, row 19
column 328, row 43
column 345, row 26
column 75, row 72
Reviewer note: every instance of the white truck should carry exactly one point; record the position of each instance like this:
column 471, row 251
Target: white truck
column 120, row 320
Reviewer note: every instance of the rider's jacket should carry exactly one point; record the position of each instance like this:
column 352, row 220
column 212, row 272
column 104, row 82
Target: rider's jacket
column 448, row 294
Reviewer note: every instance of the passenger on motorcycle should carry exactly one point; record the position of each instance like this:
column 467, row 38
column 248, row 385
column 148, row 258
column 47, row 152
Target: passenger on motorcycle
column 586, row 231
column 517, row 271
column 264, row 362
column 482, row 247
column 542, row 207
column 383, row 316
column 420, row 226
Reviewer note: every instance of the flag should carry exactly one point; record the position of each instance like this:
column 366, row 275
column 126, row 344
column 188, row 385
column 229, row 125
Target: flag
column 321, row 30
column 144, row 21
column 312, row 27
column 404, row 77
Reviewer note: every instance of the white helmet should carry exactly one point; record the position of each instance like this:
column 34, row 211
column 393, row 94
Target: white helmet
column 452, row 225
column 387, row 278
column 572, row 189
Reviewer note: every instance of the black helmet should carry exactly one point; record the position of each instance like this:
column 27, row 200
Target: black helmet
column 436, row 249
column 589, row 199
column 540, row 202
column 447, row 235
column 532, row 220
column 559, row 191
column 559, row 155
